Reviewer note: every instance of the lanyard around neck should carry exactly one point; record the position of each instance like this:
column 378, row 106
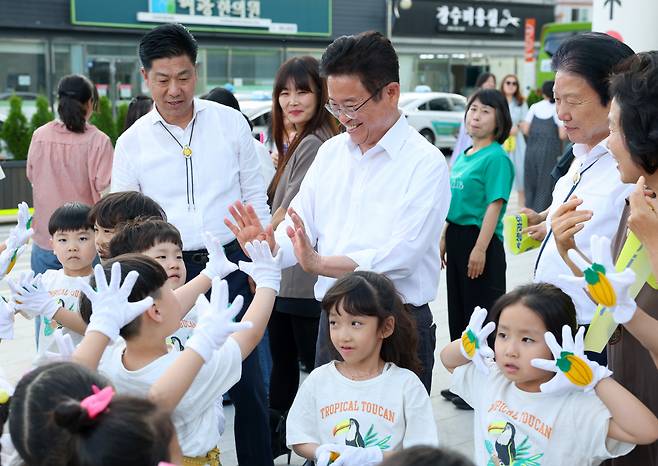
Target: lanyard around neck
column 189, row 167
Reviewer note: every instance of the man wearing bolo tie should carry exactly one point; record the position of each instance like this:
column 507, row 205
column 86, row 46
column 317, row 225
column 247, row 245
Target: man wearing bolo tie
column 195, row 157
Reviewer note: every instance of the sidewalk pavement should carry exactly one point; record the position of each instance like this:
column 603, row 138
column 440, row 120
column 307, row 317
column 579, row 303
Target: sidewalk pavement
column 455, row 427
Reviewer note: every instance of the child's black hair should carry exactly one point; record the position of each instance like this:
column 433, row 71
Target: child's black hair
column 139, row 235
column 427, row 456
column 34, row 434
column 551, row 304
column 133, row 431
column 71, row 216
column 151, row 278
column 117, row 208
column 49, row 428
column 373, row 294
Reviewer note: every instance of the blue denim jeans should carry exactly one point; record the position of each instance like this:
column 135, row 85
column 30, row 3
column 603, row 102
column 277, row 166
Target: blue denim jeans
column 40, row 261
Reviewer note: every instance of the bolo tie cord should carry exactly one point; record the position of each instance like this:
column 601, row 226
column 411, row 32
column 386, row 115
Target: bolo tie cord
column 189, row 165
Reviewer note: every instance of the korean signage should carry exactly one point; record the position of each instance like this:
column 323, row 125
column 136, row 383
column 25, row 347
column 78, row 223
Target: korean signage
column 427, row 18
column 289, row 17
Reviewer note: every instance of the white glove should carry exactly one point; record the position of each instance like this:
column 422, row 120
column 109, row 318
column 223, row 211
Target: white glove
column 474, row 344
column 218, row 265
column 264, row 269
column 111, row 309
column 606, row 286
column 6, row 320
column 355, row 456
column 16, row 241
column 573, row 371
column 32, row 298
column 65, row 347
column 323, row 453
column 215, row 322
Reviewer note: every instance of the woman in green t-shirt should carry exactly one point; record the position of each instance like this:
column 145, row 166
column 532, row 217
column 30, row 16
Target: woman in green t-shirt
column 472, row 242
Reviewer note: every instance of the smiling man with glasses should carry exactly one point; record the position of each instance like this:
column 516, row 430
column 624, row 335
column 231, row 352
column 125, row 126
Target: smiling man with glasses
column 376, row 196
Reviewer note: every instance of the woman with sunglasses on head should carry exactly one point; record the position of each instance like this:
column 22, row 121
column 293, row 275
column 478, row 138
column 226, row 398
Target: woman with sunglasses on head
column 297, row 101
column 515, row 143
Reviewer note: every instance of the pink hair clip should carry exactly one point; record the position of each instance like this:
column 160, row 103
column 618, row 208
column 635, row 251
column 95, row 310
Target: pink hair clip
column 164, row 463
column 98, row 402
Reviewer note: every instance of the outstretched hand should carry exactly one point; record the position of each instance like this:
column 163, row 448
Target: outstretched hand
column 247, row 226
column 306, row 255
column 573, row 371
column 31, row 296
column 263, row 268
column 215, row 323
column 111, row 309
column 604, row 284
column 474, row 344
column 218, row 265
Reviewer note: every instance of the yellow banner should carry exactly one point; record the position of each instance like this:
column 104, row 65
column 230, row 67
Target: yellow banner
column 516, row 241
column 633, row 255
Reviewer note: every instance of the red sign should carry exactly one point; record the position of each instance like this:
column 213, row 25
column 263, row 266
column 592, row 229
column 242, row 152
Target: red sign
column 529, row 39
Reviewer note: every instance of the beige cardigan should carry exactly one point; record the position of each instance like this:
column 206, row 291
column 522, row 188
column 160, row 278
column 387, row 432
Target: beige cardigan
column 295, row 283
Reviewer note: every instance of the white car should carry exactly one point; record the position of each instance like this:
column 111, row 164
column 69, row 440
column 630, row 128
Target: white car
column 436, row 115
column 259, row 113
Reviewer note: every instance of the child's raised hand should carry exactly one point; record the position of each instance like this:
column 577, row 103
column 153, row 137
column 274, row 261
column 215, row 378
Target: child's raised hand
column 31, row 297
column 16, row 241
column 264, row 269
column 6, row 320
column 327, row 453
column 111, row 309
column 356, row 456
column 474, row 344
column 573, row 371
column 218, row 265
column 65, row 347
column 606, row 286
column 215, row 322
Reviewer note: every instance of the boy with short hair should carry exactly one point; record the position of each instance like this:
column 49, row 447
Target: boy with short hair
column 117, row 208
column 134, row 366
column 54, row 295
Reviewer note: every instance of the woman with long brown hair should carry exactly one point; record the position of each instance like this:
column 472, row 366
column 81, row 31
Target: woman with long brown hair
column 299, row 96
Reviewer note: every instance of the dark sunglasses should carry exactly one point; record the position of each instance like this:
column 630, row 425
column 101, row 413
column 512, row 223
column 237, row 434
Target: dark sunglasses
column 511, row 83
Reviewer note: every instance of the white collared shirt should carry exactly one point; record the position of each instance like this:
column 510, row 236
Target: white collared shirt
column 384, row 209
column 224, row 161
column 603, row 193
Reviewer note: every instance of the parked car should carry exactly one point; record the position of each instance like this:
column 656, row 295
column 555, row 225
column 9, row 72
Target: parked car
column 436, row 115
column 259, row 113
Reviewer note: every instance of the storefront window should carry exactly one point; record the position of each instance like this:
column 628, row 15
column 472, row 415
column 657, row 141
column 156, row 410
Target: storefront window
column 23, row 67
column 216, row 68
column 254, row 69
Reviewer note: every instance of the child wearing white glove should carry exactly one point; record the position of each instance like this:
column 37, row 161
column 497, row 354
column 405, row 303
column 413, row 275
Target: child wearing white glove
column 14, row 245
column 536, row 404
column 215, row 350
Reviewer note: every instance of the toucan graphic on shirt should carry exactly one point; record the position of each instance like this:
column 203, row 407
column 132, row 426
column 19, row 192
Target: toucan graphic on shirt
column 505, row 451
column 350, row 428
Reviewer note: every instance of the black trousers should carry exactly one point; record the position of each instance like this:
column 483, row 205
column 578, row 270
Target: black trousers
column 426, row 331
column 292, row 338
column 251, row 426
column 465, row 293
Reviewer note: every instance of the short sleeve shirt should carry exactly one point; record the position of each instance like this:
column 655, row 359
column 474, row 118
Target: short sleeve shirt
column 477, row 180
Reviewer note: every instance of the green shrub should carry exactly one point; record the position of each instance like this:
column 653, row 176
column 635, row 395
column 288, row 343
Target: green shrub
column 15, row 130
column 534, row 97
column 103, row 120
column 42, row 116
column 122, row 111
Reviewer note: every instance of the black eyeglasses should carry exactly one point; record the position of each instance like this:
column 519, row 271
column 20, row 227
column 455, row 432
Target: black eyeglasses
column 350, row 111
column 511, row 83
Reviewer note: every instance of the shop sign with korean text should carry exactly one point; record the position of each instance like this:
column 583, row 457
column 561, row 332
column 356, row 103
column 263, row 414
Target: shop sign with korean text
column 468, row 19
column 288, row 17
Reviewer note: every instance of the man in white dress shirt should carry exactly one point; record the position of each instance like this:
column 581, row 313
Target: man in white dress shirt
column 195, row 157
column 376, row 196
column 590, row 198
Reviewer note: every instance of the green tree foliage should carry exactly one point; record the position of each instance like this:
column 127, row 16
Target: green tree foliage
column 121, row 118
column 533, row 97
column 42, row 116
column 15, row 130
column 103, row 120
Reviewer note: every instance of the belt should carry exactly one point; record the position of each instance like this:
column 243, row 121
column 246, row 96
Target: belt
column 200, row 256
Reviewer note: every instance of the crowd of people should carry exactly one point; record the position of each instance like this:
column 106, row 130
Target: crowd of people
column 212, row 267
